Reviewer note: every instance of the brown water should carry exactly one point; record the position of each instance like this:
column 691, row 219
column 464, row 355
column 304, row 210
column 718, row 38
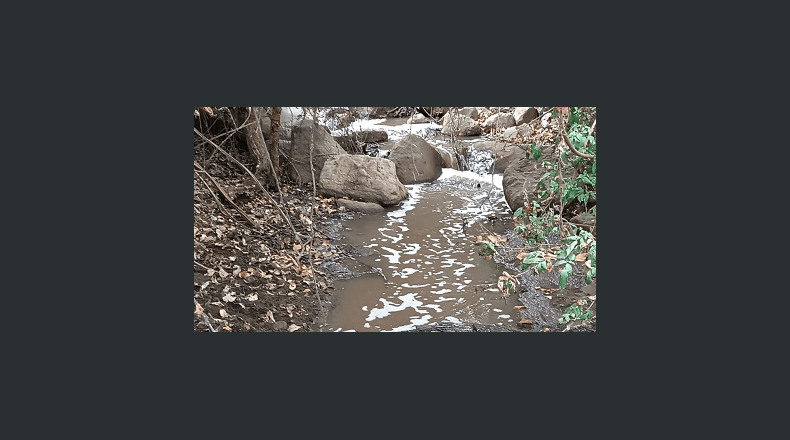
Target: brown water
column 432, row 268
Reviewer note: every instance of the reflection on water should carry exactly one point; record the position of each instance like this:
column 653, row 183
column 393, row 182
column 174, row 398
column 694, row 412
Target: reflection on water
column 432, row 269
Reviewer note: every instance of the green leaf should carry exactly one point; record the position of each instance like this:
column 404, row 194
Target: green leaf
column 564, row 275
column 536, row 152
column 518, row 212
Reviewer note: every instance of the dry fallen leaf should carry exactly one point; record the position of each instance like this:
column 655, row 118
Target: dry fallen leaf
column 519, row 307
column 253, row 297
column 198, row 309
column 243, row 275
column 223, row 313
column 229, row 297
column 269, row 317
column 297, row 247
column 521, row 255
column 210, row 272
column 294, row 327
column 222, row 273
column 588, row 263
column 226, row 328
column 287, row 240
column 582, row 257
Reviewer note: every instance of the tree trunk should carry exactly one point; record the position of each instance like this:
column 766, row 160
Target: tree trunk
column 255, row 143
column 274, row 145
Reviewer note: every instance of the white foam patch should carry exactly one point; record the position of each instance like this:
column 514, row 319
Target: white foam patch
column 408, row 301
column 450, row 172
column 394, row 258
column 394, row 132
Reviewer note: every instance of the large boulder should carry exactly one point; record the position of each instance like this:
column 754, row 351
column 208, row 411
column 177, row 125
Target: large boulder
column 523, row 169
column 460, row 125
column 377, row 112
column 417, row 118
column 522, row 115
column 416, row 160
column 499, row 120
column 303, row 133
column 449, row 159
column 470, row 112
column 363, row 178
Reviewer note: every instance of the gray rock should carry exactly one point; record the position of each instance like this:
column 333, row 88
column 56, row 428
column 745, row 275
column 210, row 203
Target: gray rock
column 449, row 160
column 460, row 125
column 324, row 146
column 363, row 207
column 499, row 120
column 280, row 326
column 522, row 115
column 417, row 118
column 363, row 178
column 470, row 112
column 377, row 112
column 523, row 130
column 416, row 160
column 523, row 169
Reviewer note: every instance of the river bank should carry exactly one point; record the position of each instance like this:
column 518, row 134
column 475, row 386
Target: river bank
column 295, row 273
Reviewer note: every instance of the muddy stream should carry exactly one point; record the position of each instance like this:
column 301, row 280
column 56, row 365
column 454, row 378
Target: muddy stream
column 422, row 265
column 417, row 262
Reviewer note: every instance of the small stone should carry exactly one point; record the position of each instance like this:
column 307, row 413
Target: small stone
column 280, row 326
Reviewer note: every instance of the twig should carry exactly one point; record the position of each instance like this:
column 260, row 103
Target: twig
column 312, row 209
column 227, row 197
column 562, row 182
column 271, row 162
column 570, row 145
column 221, row 207
column 260, row 185
column 205, row 318
column 204, row 267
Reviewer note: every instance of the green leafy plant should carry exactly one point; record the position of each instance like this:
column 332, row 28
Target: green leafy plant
column 488, row 249
column 574, row 312
column 535, row 224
